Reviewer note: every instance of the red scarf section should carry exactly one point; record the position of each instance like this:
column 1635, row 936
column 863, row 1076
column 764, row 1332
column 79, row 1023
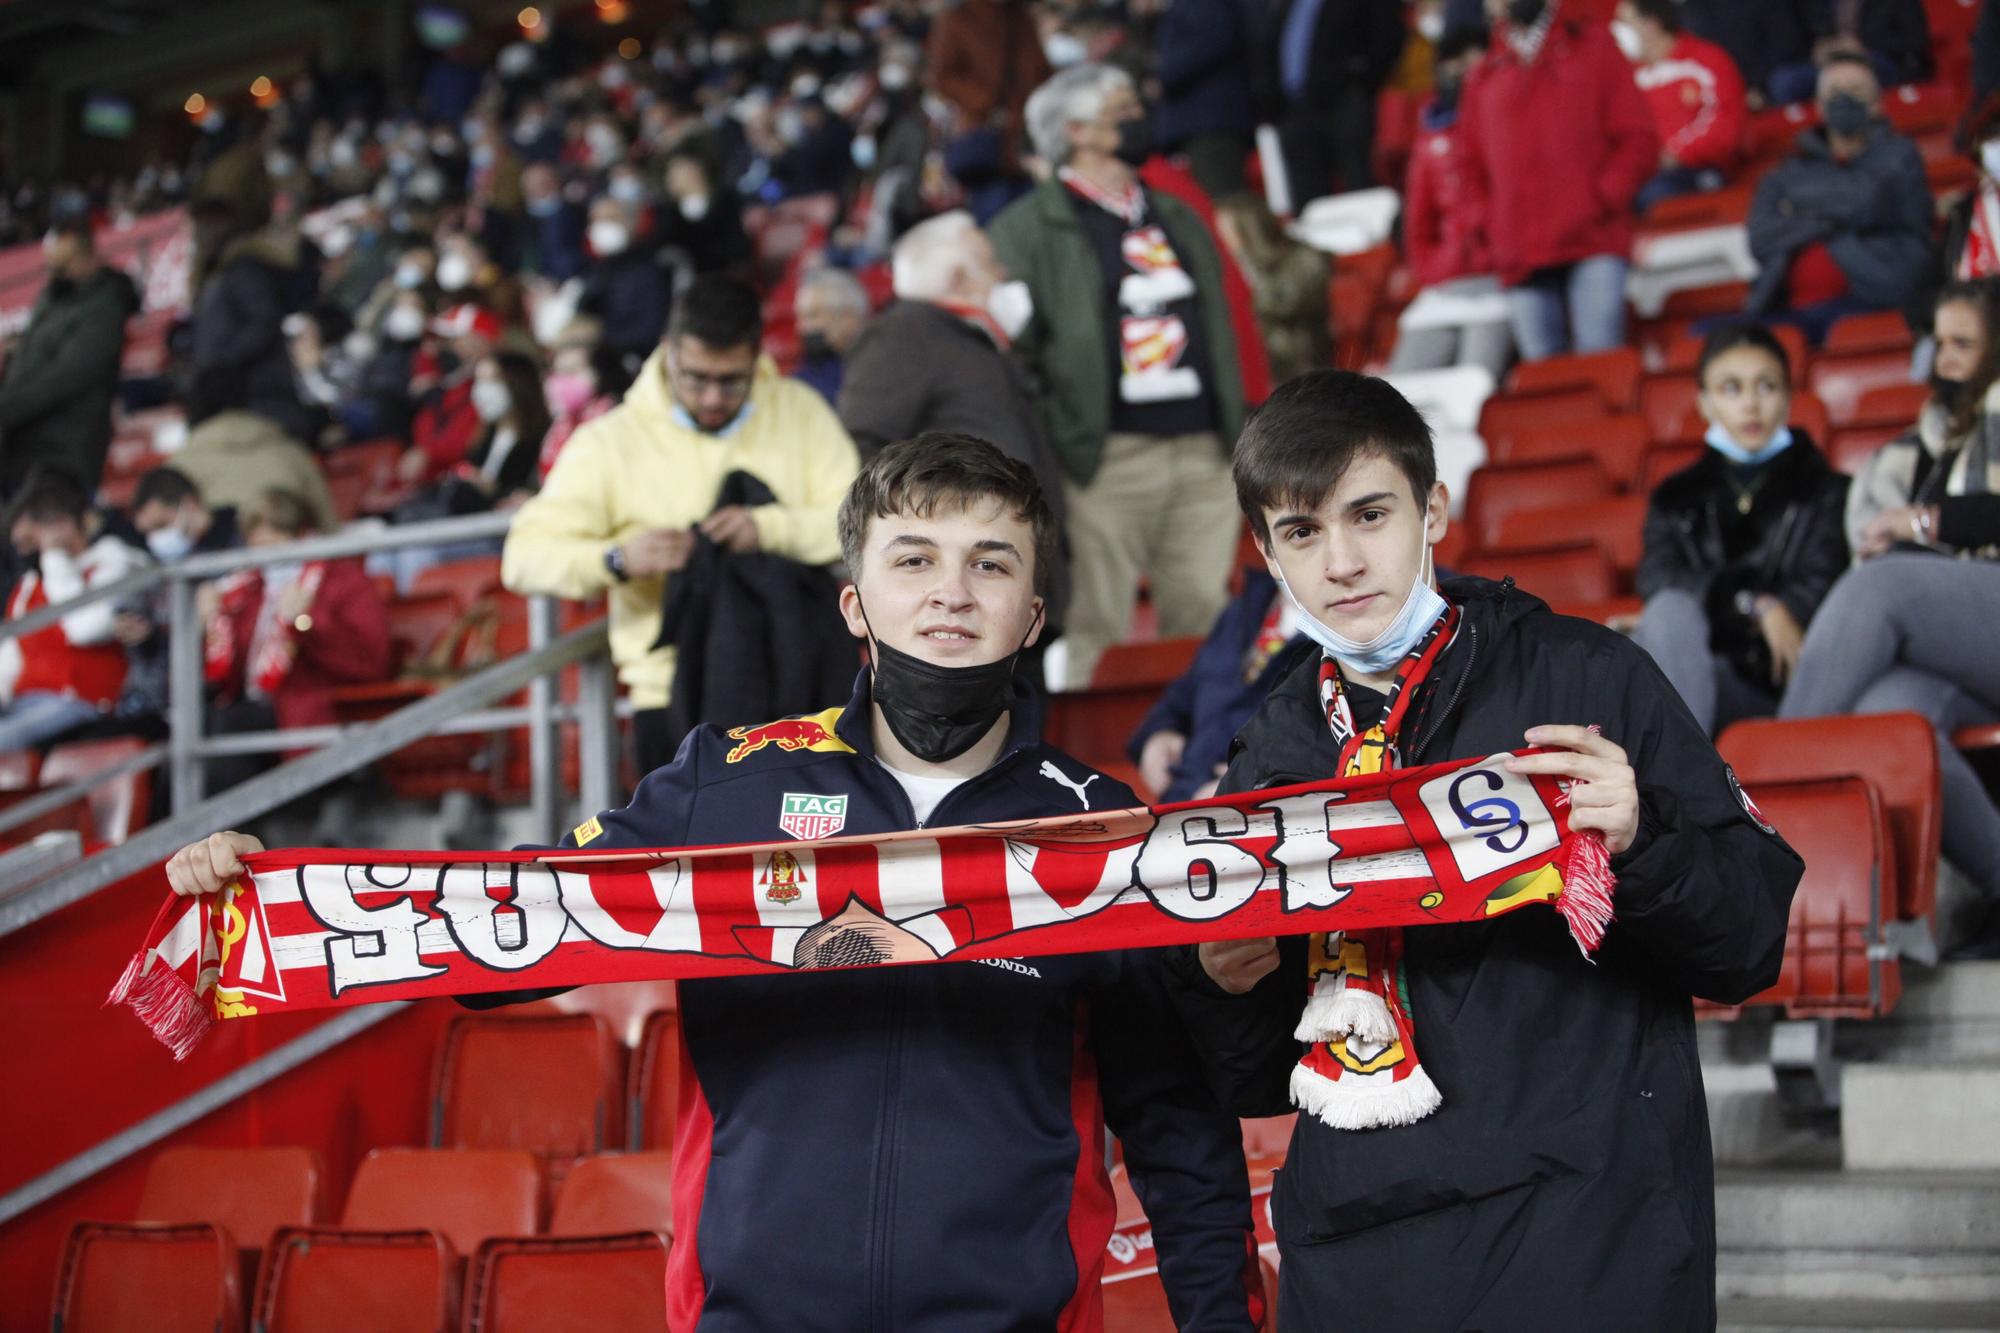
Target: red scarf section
column 317, row 928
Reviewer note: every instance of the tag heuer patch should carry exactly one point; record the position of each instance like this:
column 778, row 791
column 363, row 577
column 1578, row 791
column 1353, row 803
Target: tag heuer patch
column 587, row 830
column 808, row 816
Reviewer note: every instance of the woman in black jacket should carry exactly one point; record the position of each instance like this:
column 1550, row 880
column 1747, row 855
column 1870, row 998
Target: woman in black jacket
column 1741, row 546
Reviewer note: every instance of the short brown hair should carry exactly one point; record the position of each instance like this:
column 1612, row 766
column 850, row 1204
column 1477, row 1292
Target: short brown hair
column 1296, row 447
column 281, row 510
column 937, row 468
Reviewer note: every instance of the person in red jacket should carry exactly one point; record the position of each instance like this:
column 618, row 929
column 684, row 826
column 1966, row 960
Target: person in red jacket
column 1695, row 94
column 1444, row 230
column 1559, row 142
column 446, row 424
column 279, row 639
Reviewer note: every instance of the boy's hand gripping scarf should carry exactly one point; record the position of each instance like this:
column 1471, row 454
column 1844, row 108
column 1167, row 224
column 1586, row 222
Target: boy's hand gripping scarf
column 313, row 928
column 1360, row 1069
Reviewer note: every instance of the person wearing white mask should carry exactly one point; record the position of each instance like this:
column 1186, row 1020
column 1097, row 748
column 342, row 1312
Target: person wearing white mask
column 936, row 360
column 625, row 287
column 1695, row 94
column 703, row 222
column 1743, row 545
column 168, row 511
column 1483, row 1190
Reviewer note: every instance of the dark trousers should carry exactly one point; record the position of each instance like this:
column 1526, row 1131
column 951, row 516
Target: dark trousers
column 1322, row 143
column 1216, row 162
column 655, row 738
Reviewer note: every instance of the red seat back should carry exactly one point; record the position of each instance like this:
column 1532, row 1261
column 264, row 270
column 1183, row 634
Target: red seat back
column 1613, row 374
column 1852, row 446
column 1895, row 753
column 1885, row 331
column 1578, row 573
column 319, row 1280
column 417, row 622
column 1156, row 663
column 1663, row 460
column 572, row 1106
column 1617, row 443
column 118, row 806
column 463, row 1194
column 573, row 1285
column 466, row 580
column 1493, row 494
column 1615, row 523
column 1840, row 378
column 249, row 1191
column 1665, row 401
column 163, row 1279
column 1895, row 405
column 656, row 1081
column 617, row 1192
column 1505, row 414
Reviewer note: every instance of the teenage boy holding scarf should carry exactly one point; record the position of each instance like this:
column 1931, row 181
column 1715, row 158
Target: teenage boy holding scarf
column 918, row 1147
column 1546, row 1164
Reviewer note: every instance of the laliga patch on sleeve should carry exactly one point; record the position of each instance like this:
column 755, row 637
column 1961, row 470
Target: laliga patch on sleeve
column 587, row 830
column 1749, row 806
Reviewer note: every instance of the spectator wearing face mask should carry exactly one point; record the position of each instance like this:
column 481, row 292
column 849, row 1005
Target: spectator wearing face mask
column 552, row 228
column 445, row 423
column 818, row 150
column 701, row 220
column 414, row 272
column 1333, row 56
column 584, row 382
column 1694, row 93
column 1559, row 142
column 69, row 673
column 625, row 288
column 1892, row 36
column 1843, row 225
column 169, row 512
column 62, row 373
column 830, row 308
column 1202, row 61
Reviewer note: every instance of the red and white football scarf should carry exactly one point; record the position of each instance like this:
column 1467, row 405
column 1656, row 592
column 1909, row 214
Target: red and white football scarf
column 1360, row 1069
column 318, row 927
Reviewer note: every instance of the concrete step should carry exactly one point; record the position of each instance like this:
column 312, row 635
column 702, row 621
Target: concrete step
column 1897, row 1116
column 1844, row 1316
column 1948, row 1014
column 1858, row 1275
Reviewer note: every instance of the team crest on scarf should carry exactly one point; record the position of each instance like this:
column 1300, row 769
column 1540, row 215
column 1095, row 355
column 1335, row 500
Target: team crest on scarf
column 783, row 878
column 808, row 815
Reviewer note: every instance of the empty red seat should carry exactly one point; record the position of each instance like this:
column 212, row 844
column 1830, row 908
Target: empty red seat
column 417, row 622
column 164, row 1279
column 573, row 1105
column 1615, row 523
column 1722, row 298
column 1617, row 443
column 1920, row 108
column 1494, row 493
column 616, row 1192
column 1666, row 400
column 656, row 1080
column 1613, row 374
column 463, row 1194
column 318, row 1280
column 1884, row 331
column 568, row 1285
column 1891, row 404
column 1852, row 446
column 250, row 1192
column 1578, row 573
column 118, row 806
column 1156, row 663
column 1663, row 460
column 467, row 580
column 1840, row 378
column 1895, row 753
column 1505, row 414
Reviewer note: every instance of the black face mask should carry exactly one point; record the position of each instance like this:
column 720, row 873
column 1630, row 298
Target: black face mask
column 940, row 712
column 815, row 347
column 1846, row 115
column 1135, row 141
column 1949, row 394
column 1525, row 12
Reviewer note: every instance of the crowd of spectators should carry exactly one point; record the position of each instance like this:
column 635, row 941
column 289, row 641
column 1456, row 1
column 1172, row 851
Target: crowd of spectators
column 544, row 272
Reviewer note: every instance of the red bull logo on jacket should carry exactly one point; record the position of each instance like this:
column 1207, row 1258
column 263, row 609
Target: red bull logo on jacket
column 814, row 732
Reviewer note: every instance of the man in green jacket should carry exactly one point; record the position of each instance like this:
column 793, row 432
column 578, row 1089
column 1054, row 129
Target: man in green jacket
column 1133, row 363
column 55, row 401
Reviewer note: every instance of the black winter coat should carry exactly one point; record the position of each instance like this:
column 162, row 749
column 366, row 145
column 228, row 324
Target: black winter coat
column 1567, row 1181
column 1793, row 543
column 1355, row 46
column 1202, row 60
column 55, row 400
column 1872, row 212
column 238, row 357
column 631, row 294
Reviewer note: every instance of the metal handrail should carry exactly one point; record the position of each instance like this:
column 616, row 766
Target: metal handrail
column 307, row 773
column 331, row 546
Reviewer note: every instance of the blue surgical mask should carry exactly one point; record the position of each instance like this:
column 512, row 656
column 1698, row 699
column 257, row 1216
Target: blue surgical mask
column 1725, row 444
column 685, row 420
column 1421, row 610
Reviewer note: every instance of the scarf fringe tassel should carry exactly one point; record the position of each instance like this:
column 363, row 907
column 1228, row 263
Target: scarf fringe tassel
column 164, row 1002
column 1585, row 902
column 1337, row 1011
column 1343, row 1105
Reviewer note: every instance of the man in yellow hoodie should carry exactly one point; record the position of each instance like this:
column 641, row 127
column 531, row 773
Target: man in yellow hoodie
column 628, row 493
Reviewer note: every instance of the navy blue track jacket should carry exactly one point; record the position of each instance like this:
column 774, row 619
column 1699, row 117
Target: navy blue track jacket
column 922, row 1147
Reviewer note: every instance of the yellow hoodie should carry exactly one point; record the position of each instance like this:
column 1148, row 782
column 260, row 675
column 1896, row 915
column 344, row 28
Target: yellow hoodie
column 636, row 468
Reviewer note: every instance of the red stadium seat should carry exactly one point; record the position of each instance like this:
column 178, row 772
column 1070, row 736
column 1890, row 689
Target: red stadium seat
column 1136, row 1302
column 1952, row 21
column 1891, row 405
column 1852, row 446
column 348, row 491
column 1094, row 724
column 1727, row 207
column 1895, row 753
column 1578, row 573
column 318, row 1280
column 1683, row 356
column 1840, row 829
column 163, row 1279
column 656, row 1081
column 1663, row 460
column 468, row 580
column 1615, row 523
column 570, row 1285
column 1270, row 1136
column 1153, row 664
column 1613, row 374
column 1770, row 134
column 417, row 622
column 1723, row 298
column 1494, row 493
column 1617, row 443
column 1840, row 378
column 617, row 1192
column 1665, row 401
column 1507, row 414
column 463, row 1194
column 250, row 1192
column 1810, row 414
column 1921, row 108
column 574, row 1104
column 118, row 806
